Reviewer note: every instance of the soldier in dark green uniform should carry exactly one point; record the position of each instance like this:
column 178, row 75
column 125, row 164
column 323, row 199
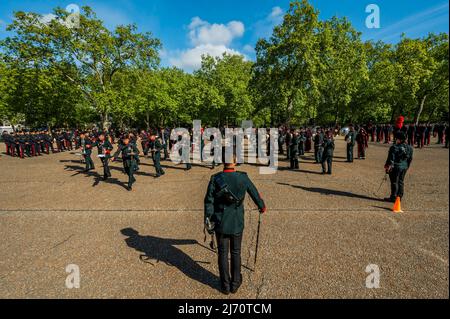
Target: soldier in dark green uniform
column 130, row 157
column 156, row 146
column 293, row 151
column 224, row 208
column 86, row 150
column 328, row 153
column 318, row 147
column 398, row 162
column 104, row 147
column 350, row 139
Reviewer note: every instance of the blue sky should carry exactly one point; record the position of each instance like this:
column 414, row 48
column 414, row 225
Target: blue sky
column 191, row 28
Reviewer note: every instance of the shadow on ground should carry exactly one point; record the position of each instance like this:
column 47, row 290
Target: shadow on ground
column 164, row 250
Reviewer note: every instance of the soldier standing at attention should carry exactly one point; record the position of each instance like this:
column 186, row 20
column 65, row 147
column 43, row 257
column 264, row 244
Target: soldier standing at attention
column 130, row 156
column 86, row 150
column 398, row 162
column 224, row 215
column 105, row 148
column 350, row 139
column 318, row 150
column 156, row 146
column 328, row 153
column 362, row 140
column 295, row 140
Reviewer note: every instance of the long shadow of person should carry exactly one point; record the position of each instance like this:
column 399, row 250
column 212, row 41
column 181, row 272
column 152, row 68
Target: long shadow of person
column 325, row 191
column 164, row 250
column 97, row 177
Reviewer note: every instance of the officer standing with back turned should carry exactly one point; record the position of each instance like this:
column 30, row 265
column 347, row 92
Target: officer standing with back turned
column 224, row 215
column 397, row 165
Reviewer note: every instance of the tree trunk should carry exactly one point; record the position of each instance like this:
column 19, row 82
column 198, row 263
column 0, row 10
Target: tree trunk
column 420, row 110
column 148, row 120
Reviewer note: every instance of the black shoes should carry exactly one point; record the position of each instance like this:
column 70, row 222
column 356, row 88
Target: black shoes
column 389, row 200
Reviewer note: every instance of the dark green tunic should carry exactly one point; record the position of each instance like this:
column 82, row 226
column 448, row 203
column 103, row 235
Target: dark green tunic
column 229, row 219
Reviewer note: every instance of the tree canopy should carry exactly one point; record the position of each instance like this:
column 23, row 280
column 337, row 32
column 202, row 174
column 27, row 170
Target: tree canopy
column 307, row 71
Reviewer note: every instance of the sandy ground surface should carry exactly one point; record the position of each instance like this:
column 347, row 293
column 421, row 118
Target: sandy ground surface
column 318, row 237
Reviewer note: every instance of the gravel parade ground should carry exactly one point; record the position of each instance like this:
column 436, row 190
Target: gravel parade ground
column 317, row 238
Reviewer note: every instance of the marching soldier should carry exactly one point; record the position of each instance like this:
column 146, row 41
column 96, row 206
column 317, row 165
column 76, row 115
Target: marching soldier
column 130, row 157
column 86, row 150
column 328, row 153
column 224, row 215
column 156, row 146
column 350, row 139
column 398, row 162
column 105, row 148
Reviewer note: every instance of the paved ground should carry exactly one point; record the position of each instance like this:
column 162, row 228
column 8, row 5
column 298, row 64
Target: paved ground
column 317, row 239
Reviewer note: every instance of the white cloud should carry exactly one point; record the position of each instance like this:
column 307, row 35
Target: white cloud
column 263, row 28
column 276, row 13
column 191, row 59
column 249, row 48
column 202, row 32
column 207, row 39
column 47, row 18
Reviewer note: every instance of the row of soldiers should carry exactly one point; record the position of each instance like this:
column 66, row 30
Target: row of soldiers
column 127, row 149
column 23, row 144
column 417, row 135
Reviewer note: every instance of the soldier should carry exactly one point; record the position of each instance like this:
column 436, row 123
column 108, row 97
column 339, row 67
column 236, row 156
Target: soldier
column 411, row 134
column 165, row 136
column 130, row 156
column 398, row 162
column 293, row 150
column 6, row 137
column 104, row 148
column 144, row 142
column 350, row 139
column 156, row 146
column 362, row 140
column 224, row 215
column 420, row 136
column 86, row 150
column 428, row 130
column 328, row 153
column 318, row 143
column 301, row 144
column 281, row 139
column 48, row 142
column 287, row 140
column 387, row 133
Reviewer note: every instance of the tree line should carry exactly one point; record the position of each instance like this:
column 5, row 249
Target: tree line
column 308, row 72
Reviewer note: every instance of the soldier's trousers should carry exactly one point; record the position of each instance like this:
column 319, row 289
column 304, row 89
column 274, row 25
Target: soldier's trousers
column 350, row 157
column 294, row 161
column 157, row 163
column 130, row 168
column 301, row 149
column 89, row 162
column 318, row 152
column 229, row 244
column 106, row 170
column 397, row 177
column 280, row 148
column 166, row 152
column 327, row 161
column 361, row 150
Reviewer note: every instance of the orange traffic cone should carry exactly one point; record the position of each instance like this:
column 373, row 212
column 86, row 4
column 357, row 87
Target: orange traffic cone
column 398, row 206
